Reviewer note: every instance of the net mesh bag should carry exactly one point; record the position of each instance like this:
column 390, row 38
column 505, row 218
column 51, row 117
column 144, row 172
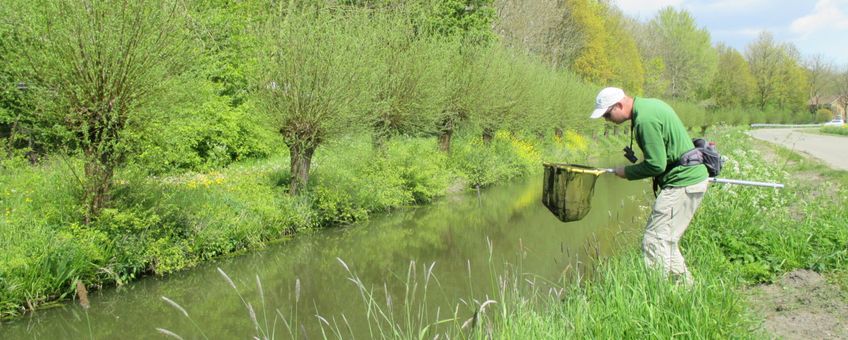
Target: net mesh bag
column 568, row 190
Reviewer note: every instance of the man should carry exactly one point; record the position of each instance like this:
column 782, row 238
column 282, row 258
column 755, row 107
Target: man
column 663, row 140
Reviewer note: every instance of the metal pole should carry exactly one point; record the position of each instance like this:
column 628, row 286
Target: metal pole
column 741, row 182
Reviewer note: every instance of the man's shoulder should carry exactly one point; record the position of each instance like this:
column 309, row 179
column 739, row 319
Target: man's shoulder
column 652, row 109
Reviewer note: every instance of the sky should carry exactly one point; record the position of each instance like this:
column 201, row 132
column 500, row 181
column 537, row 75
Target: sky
column 813, row 26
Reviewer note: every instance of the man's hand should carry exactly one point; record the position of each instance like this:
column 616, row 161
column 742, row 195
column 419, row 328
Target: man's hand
column 619, row 171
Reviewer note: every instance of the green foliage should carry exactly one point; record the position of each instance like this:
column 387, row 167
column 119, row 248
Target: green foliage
column 823, row 115
column 781, row 83
column 627, row 70
column 93, row 66
column 507, row 156
column 774, row 231
column 733, row 85
column 687, row 52
column 312, row 78
column 592, row 62
column 202, row 132
column 471, row 20
column 409, row 72
column 835, row 130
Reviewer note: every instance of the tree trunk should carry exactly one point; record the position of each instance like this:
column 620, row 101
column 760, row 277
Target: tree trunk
column 378, row 142
column 488, row 135
column 98, row 182
column 445, row 136
column 301, row 160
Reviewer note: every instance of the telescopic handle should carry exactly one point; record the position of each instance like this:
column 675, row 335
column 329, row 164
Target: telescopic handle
column 741, row 182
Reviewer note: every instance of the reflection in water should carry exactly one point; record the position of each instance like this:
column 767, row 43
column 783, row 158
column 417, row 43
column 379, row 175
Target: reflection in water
column 467, row 240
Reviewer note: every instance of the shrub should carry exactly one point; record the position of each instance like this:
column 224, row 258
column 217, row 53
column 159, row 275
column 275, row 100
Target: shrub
column 823, row 115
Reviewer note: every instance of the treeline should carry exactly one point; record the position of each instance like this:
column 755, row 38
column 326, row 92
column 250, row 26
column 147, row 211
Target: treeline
column 671, row 57
column 177, row 85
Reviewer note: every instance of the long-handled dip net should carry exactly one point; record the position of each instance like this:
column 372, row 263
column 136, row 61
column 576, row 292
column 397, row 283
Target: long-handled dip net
column 568, row 189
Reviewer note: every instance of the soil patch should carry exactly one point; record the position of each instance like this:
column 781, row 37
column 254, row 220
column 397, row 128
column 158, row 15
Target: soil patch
column 802, row 305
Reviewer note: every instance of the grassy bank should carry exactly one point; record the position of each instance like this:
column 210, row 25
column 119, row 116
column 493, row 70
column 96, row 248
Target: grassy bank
column 741, row 236
column 164, row 224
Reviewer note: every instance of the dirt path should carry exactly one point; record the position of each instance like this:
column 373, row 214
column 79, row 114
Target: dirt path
column 832, row 150
column 802, row 304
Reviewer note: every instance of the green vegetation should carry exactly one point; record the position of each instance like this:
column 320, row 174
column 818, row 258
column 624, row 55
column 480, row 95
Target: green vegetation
column 835, row 130
column 147, row 137
column 741, row 237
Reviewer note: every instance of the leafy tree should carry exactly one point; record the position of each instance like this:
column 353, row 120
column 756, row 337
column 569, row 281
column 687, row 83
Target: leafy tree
column 95, row 65
column 542, row 27
column 502, row 85
column 467, row 25
column 311, row 79
column 686, row 50
column 818, row 72
column 781, row 83
column 626, row 62
column 592, row 61
column 655, row 81
column 733, row 85
column 463, row 82
column 792, row 90
column 224, row 30
column 842, row 89
column 408, row 69
column 764, row 56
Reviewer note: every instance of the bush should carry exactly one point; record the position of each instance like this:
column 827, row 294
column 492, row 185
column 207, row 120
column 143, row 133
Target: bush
column 201, row 135
column 823, row 115
column 506, row 156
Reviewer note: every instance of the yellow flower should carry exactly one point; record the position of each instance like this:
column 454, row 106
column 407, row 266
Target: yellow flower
column 576, row 141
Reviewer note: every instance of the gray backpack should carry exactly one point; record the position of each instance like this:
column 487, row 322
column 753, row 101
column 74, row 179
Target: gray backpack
column 704, row 153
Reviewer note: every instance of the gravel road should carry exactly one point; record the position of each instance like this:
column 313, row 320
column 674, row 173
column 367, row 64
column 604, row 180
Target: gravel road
column 832, row 150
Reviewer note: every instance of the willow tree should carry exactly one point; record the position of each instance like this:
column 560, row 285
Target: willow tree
column 466, row 26
column 500, row 87
column 408, row 69
column 95, row 65
column 311, row 79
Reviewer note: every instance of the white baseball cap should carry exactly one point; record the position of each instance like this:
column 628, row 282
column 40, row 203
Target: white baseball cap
column 606, row 98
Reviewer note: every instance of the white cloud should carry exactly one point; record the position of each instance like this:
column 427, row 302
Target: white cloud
column 827, row 15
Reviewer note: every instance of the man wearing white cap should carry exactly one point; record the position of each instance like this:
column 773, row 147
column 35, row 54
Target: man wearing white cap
column 663, row 140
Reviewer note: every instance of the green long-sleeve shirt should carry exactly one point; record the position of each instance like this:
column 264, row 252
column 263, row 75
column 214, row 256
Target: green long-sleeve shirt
column 663, row 139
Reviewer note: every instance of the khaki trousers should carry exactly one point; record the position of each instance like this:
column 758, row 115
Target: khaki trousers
column 672, row 212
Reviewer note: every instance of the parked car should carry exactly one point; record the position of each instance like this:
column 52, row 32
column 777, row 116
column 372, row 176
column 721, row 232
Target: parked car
column 835, row 122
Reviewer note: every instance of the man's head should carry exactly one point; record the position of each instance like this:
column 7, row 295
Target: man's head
column 612, row 104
